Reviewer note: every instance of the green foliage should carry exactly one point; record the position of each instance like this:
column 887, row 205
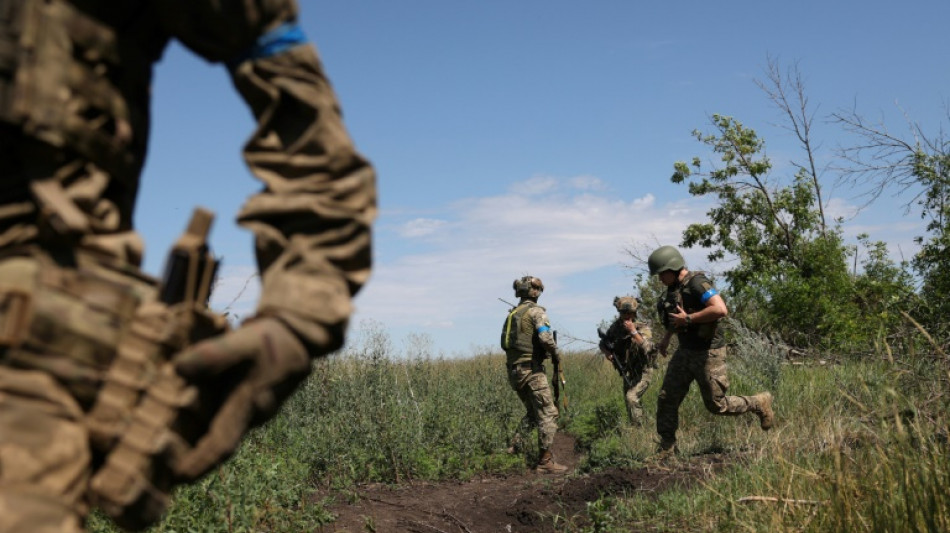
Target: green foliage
column 851, row 453
column 844, row 438
column 932, row 262
column 920, row 167
column 791, row 270
column 792, row 273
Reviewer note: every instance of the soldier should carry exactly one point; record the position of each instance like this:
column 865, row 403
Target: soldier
column 628, row 344
column 95, row 364
column 692, row 308
column 528, row 340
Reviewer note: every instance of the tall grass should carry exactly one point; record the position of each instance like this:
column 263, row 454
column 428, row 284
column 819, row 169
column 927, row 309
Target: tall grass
column 858, row 446
column 372, row 413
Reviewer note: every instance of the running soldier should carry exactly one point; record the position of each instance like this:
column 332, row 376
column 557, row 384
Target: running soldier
column 692, row 309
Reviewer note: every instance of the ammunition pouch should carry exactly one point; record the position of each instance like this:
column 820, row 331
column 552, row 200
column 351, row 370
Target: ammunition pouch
column 103, row 333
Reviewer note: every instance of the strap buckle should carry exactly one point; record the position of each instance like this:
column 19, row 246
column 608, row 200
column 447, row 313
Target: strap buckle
column 14, row 317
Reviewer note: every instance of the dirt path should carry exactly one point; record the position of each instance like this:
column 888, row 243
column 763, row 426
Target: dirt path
column 514, row 503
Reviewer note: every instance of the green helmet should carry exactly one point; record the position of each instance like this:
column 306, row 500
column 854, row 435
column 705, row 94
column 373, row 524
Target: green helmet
column 665, row 258
column 528, row 286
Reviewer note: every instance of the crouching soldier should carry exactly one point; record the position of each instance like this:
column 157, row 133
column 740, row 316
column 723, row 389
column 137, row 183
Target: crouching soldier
column 628, row 345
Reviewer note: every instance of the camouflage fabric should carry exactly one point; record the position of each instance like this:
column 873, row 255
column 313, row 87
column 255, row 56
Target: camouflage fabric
column 633, row 394
column 708, row 369
column 531, row 384
column 639, row 361
column 45, row 461
column 311, row 220
column 527, row 335
column 75, row 81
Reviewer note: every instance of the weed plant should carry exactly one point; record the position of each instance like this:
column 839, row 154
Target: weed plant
column 859, row 445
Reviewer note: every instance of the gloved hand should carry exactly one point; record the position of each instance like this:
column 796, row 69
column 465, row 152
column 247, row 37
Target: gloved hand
column 242, row 378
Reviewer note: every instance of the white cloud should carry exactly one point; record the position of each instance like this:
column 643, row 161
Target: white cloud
column 420, row 227
column 589, row 183
column 565, row 230
column 569, row 232
column 535, row 185
column 840, row 208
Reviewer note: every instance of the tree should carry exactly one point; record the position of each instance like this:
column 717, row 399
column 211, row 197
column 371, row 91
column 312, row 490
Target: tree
column 791, row 268
column 791, row 273
column 919, row 167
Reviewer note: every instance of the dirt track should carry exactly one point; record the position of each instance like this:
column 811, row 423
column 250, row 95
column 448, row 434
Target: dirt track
column 514, row 503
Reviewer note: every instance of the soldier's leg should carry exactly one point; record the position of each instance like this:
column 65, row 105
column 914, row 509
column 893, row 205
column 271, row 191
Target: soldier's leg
column 545, row 412
column 547, row 415
column 518, row 379
column 714, row 385
column 44, row 456
column 641, row 382
column 675, row 386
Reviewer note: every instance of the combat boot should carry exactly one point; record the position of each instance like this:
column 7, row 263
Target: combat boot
column 546, row 464
column 666, row 447
column 762, row 406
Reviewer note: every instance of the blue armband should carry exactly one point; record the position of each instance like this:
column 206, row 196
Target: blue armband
column 542, row 329
column 276, row 41
column 708, row 294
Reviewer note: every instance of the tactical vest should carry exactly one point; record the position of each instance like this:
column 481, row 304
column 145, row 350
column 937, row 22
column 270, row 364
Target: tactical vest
column 518, row 334
column 74, row 81
column 696, row 335
column 626, row 348
column 106, row 333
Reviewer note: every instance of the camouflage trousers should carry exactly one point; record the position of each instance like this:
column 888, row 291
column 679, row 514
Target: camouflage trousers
column 45, row 458
column 634, row 387
column 531, row 384
column 708, row 369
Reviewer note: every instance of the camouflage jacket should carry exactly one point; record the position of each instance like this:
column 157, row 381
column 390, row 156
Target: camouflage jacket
column 526, row 334
column 632, row 355
column 75, row 80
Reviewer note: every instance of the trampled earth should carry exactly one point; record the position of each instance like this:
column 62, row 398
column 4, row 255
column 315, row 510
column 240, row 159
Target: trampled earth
column 526, row 502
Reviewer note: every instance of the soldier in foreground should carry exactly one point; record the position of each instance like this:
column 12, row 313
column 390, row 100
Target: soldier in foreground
column 628, row 344
column 528, row 340
column 692, row 309
column 115, row 388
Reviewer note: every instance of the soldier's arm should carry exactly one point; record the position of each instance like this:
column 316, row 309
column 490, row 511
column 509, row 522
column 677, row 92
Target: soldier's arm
column 312, row 218
column 715, row 307
column 714, row 310
column 543, row 326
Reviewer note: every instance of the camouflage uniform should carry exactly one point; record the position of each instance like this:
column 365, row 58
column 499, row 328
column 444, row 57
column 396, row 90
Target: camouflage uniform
column 700, row 357
column 75, row 80
column 528, row 340
column 637, row 361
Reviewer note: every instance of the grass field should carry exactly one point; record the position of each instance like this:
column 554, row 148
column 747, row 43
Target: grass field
column 860, row 444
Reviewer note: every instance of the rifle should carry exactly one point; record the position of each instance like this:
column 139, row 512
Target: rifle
column 190, row 269
column 618, row 366
column 559, row 381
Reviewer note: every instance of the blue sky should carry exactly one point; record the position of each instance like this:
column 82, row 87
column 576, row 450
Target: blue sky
column 530, row 137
